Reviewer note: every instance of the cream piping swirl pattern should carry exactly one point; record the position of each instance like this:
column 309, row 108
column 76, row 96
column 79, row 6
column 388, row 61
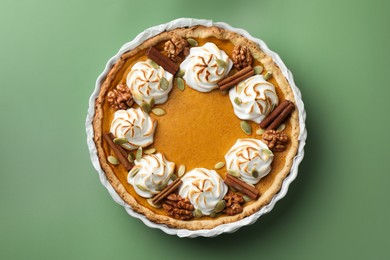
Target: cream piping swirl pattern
column 150, row 175
column 257, row 98
column 250, row 158
column 204, row 188
column 145, row 82
column 134, row 125
column 205, row 66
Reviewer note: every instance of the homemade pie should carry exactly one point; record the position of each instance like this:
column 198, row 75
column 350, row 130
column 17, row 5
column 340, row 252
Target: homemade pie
column 196, row 127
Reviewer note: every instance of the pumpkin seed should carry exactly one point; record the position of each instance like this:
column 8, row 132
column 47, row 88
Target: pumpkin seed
column 153, row 64
column 152, row 102
column 192, row 42
column 138, row 155
column 220, row 206
column 158, row 111
column 137, row 96
column 268, row 75
column 246, row 127
column 255, row 173
column 134, row 171
column 146, row 107
column 258, row 70
column 219, row 165
column 234, row 173
column 197, row 213
column 173, row 177
column 221, row 63
column 232, row 189
column 124, row 146
column 246, row 198
column 113, row 160
column 267, row 152
column 273, row 107
column 250, row 184
column 150, row 151
column 237, row 100
column 150, row 201
column 164, row 83
column 281, row 127
column 224, row 92
column 143, row 188
column 180, row 73
column 181, row 170
column 180, row 84
column 163, row 185
column 131, row 157
column 260, row 131
column 240, row 87
column 215, row 214
column 120, row 140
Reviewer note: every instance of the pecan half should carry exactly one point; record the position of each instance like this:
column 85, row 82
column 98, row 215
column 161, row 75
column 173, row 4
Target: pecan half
column 242, row 57
column 176, row 48
column 178, row 207
column 234, row 203
column 275, row 140
column 120, row 97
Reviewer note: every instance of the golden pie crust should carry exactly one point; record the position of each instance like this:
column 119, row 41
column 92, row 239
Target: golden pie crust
column 196, row 150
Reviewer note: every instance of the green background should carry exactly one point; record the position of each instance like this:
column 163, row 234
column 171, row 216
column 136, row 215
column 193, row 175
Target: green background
column 52, row 204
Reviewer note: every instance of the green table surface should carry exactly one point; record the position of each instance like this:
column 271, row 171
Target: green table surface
column 53, row 205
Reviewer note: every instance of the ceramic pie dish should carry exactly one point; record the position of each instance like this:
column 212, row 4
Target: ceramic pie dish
column 196, row 128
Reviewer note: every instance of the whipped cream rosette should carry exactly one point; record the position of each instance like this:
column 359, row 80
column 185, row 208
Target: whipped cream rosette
column 204, row 188
column 148, row 80
column 151, row 174
column 205, row 66
column 134, row 125
column 257, row 98
column 250, row 158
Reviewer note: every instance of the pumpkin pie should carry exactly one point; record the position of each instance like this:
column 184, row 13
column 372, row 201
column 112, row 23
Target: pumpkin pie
column 195, row 127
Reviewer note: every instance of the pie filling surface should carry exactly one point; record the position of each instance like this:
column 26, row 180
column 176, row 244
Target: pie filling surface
column 197, row 155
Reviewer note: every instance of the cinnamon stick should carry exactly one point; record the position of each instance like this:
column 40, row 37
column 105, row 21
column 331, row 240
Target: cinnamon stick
column 241, row 186
column 283, row 115
column 166, row 191
column 118, row 150
column 268, row 120
column 236, row 75
column 162, row 60
column 235, row 81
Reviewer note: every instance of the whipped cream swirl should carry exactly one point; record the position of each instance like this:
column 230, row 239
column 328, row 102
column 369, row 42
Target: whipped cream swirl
column 251, row 158
column 204, row 188
column 150, row 175
column 257, row 98
column 134, row 125
column 205, row 66
column 145, row 82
